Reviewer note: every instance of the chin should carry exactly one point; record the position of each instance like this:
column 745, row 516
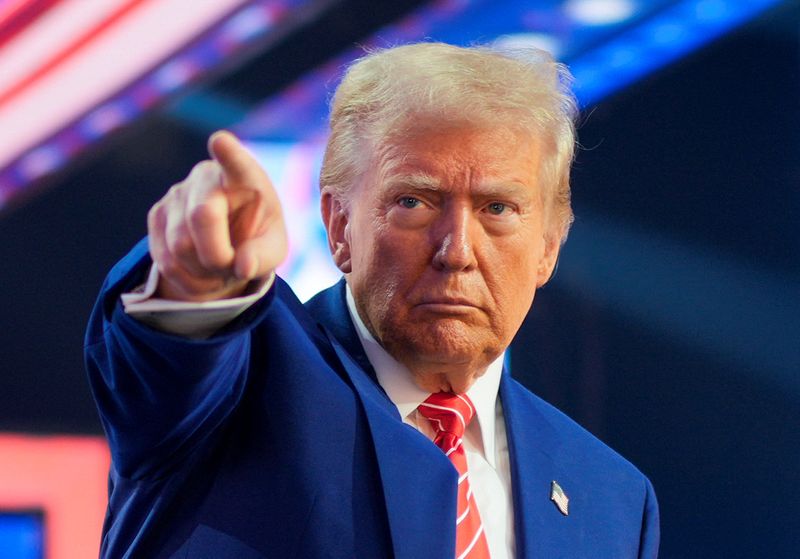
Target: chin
column 449, row 342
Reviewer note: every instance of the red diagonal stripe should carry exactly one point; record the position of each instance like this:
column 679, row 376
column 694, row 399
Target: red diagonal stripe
column 73, row 47
column 14, row 17
column 444, row 410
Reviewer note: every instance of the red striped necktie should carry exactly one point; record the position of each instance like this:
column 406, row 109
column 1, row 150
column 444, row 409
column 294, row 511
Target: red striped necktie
column 449, row 415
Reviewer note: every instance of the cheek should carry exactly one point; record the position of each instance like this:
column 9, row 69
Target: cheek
column 379, row 264
column 362, row 235
column 396, row 251
column 514, row 280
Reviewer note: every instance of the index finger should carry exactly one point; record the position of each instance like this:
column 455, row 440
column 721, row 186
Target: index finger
column 239, row 168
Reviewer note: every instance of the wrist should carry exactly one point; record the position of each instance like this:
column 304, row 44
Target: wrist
column 200, row 290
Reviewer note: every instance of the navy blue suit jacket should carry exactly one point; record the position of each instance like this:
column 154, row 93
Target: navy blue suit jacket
column 272, row 439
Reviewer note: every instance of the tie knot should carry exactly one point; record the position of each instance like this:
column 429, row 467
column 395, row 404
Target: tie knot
column 448, row 412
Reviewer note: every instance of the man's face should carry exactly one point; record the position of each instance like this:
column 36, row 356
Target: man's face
column 443, row 246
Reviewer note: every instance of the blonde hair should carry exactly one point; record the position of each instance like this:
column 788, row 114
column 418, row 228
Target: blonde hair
column 385, row 92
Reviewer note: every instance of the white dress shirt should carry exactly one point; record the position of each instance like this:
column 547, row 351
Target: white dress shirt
column 485, row 441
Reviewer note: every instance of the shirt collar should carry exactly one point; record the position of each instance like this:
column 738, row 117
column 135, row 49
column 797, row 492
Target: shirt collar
column 397, row 382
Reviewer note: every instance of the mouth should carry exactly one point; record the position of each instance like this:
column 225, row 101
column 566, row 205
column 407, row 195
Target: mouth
column 448, row 305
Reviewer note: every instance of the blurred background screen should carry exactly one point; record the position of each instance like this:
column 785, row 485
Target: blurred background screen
column 22, row 534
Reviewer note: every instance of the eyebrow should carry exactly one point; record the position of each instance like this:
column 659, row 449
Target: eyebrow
column 417, row 181
column 421, row 181
column 505, row 188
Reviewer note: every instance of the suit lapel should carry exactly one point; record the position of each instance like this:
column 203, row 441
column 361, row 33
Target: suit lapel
column 532, row 442
column 407, row 462
column 329, row 307
column 419, row 519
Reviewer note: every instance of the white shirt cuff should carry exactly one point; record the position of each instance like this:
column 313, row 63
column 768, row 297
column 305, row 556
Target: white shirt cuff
column 188, row 318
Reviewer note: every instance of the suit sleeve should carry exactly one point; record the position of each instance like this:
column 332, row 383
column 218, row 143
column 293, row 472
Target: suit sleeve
column 650, row 537
column 159, row 395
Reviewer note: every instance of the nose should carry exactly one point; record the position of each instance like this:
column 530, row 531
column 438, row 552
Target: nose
column 454, row 238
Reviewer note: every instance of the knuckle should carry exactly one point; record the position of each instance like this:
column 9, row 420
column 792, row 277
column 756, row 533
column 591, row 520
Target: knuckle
column 174, row 195
column 174, row 190
column 155, row 216
column 203, row 166
column 179, row 242
column 205, row 214
column 152, row 219
column 204, row 171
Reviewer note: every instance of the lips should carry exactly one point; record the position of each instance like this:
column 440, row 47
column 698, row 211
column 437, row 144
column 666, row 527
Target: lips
column 452, row 295
column 456, row 301
column 447, row 305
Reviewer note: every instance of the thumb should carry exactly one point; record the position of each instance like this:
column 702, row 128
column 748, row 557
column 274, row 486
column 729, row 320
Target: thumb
column 239, row 168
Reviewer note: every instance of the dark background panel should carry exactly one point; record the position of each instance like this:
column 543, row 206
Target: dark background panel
column 705, row 157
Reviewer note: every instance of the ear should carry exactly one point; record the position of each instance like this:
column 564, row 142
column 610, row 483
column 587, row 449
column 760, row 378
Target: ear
column 335, row 218
column 547, row 264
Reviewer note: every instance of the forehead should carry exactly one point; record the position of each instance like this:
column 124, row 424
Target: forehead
column 455, row 152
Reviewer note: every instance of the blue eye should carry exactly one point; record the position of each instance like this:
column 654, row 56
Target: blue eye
column 496, row 208
column 409, row 202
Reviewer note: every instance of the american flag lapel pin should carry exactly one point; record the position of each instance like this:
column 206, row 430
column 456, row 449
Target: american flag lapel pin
column 560, row 498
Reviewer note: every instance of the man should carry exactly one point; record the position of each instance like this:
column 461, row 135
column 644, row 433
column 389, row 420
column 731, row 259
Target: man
column 244, row 424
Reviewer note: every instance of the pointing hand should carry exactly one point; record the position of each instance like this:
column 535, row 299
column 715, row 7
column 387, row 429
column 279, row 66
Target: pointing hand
column 219, row 228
